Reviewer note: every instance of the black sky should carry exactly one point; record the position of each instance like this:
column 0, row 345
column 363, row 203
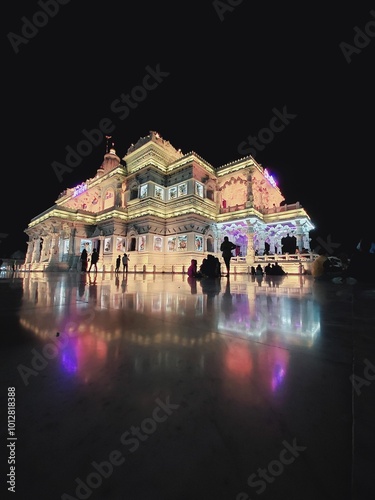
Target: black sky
column 226, row 71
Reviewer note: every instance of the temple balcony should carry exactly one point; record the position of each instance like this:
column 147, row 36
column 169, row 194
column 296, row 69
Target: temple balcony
column 262, row 210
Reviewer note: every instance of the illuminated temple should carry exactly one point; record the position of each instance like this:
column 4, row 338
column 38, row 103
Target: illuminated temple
column 164, row 208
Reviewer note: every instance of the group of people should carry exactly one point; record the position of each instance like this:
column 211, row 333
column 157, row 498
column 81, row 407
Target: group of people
column 359, row 268
column 257, row 271
column 93, row 259
column 85, row 260
column 210, row 268
column 125, row 261
column 211, row 265
column 274, row 269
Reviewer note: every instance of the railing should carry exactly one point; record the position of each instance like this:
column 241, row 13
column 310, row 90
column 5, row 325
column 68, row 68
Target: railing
column 283, row 208
column 286, row 257
column 234, row 208
column 263, row 210
column 237, row 259
column 11, row 264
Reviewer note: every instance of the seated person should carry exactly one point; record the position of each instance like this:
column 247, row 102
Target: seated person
column 203, row 267
column 210, row 267
column 278, row 270
column 259, row 271
column 192, row 269
column 217, row 268
column 268, row 270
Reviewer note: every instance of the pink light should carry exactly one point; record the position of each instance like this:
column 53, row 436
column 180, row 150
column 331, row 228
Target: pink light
column 238, row 361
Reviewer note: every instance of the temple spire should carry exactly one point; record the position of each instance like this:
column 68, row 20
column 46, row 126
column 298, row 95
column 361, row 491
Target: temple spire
column 111, row 160
column 107, row 147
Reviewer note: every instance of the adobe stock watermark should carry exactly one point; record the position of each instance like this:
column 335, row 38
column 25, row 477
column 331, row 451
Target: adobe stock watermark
column 222, row 7
column 121, row 107
column 275, row 468
column 361, row 39
column 41, row 359
column 328, row 245
column 131, row 438
column 30, row 28
column 266, row 135
column 358, row 382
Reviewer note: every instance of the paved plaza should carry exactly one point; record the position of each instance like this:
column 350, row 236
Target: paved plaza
column 158, row 387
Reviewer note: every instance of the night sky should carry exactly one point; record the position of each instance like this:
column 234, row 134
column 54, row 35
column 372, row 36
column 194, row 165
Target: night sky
column 210, row 77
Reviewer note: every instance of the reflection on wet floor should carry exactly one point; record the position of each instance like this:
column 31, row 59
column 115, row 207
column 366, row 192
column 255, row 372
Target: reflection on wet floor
column 93, row 311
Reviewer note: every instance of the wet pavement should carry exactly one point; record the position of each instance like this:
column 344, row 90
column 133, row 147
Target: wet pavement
column 158, row 387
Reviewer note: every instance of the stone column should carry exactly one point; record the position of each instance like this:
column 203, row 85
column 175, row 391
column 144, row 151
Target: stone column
column 75, row 252
column 218, row 240
column 272, row 244
column 72, row 248
column 53, row 256
column 29, row 253
column 306, row 240
column 261, row 239
column 278, row 245
column 101, row 253
column 35, row 250
column 250, row 254
column 299, row 239
column 35, row 255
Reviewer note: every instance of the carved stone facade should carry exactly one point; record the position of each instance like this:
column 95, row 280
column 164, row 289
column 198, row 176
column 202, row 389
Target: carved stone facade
column 164, row 208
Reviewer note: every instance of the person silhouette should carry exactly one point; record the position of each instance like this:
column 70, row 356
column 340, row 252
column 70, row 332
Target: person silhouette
column 259, row 271
column 193, row 269
column 94, row 260
column 226, row 248
column 125, row 261
column 118, row 264
column 84, row 257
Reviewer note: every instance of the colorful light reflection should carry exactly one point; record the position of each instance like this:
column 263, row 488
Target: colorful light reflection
column 238, row 361
column 84, row 356
column 279, row 373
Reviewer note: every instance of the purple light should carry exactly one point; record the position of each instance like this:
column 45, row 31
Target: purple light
column 81, row 188
column 269, row 178
column 278, row 376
